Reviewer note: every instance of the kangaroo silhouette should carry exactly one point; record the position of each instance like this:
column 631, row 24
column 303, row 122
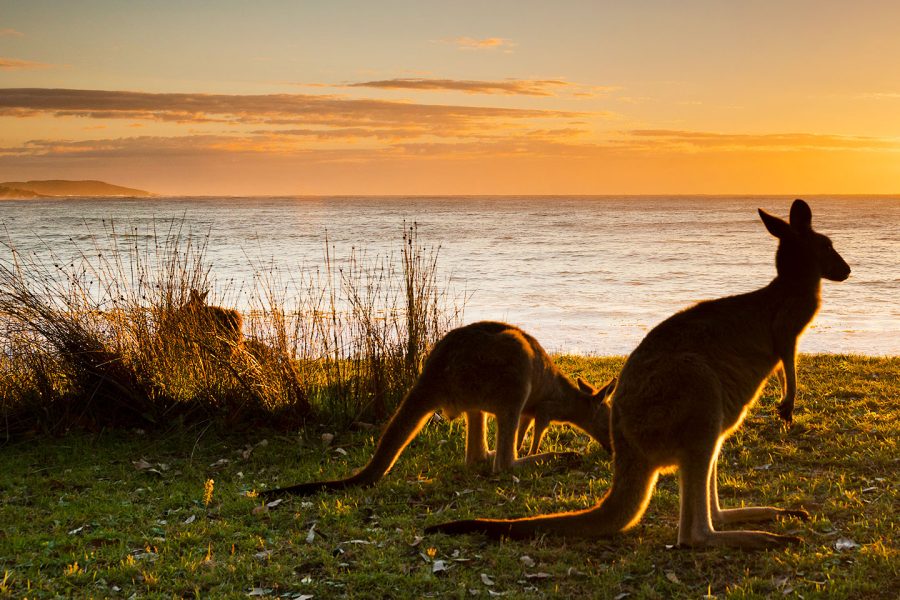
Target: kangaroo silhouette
column 224, row 324
column 481, row 368
column 686, row 387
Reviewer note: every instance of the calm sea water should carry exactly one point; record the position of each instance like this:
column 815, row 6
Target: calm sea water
column 584, row 275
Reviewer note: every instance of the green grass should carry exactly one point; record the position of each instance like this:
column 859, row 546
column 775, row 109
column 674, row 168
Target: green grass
column 80, row 519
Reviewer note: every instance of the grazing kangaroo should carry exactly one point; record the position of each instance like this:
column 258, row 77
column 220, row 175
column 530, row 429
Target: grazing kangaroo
column 686, row 387
column 482, row 368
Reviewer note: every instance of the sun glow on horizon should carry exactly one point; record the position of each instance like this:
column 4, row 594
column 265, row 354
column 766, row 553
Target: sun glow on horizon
column 314, row 100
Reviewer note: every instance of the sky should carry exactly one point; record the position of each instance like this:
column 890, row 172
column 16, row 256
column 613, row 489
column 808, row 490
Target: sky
column 486, row 97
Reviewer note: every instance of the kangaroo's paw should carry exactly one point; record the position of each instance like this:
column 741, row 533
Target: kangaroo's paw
column 745, row 540
column 786, row 411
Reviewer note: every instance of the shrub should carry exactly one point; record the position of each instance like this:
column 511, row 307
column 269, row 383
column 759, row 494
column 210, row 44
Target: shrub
column 112, row 334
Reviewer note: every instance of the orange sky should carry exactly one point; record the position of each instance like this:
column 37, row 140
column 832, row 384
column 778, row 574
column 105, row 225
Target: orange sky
column 472, row 98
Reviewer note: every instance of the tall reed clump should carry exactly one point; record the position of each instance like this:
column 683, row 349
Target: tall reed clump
column 111, row 333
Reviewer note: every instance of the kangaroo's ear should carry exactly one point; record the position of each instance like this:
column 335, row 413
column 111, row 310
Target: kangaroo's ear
column 801, row 215
column 585, row 387
column 777, row 227
column 607, row 390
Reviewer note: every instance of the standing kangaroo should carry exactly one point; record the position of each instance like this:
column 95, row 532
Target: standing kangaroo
column 482, row 368
column 686, row 387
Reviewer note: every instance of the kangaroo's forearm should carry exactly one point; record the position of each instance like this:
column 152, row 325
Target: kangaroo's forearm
column 789, row 387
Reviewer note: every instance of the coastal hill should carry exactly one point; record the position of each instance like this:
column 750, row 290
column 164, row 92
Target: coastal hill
column 52, row 188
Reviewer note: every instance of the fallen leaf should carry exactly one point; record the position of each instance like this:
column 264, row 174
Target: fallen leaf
column 671, row 576
column 327, row 438
column 486, row 580
column 418, row 540
column 190, row 519
column 311, row 535
column 527, row 561
column 341, row 451
column 439, row 566
column 259, row 592
column 274, row 503
column 263, row 555
column 76, row 530
column 219, row 463
column 141, row 465
column 764, row 467
column 493, row 593
column 538, row 575
column 622, row 595
column 262, row 508
column 845, row 544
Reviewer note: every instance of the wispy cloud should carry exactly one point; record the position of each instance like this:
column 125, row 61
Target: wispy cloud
column 16, row 64
column 491, row 43
column 881, row 96
column 512, row 87
column 273, row 110
column 6, row 31
column 704, row 140
column 509, row 87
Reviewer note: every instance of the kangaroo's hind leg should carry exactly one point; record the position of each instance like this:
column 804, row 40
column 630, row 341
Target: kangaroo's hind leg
column 695, row 524
column 746, row 514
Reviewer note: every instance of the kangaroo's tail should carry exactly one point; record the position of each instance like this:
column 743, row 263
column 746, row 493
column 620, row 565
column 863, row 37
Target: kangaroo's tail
column 620, row 509
column 408, row 420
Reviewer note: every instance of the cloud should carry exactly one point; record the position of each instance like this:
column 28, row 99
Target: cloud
column 16, row 64
column 10, row 32
column 492, row 43
column 703, row 140
column 298, row 110
column 881, row 96
column 512, row 87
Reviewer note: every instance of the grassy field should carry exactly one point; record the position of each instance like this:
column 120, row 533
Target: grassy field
column 130, row 514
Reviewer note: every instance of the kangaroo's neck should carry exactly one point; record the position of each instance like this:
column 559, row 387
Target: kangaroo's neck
column 793, row 303
column 564, row 402
column 796, row 292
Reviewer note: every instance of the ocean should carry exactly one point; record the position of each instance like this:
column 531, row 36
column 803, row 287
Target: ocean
column 585, row 275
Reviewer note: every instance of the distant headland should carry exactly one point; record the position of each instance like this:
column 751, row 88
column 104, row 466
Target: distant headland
column 61, row 188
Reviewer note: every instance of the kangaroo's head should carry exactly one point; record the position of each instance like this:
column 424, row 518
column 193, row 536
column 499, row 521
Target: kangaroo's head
column 803, row 253
column 214, row 319
column 600, row 406
column 197, row 299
